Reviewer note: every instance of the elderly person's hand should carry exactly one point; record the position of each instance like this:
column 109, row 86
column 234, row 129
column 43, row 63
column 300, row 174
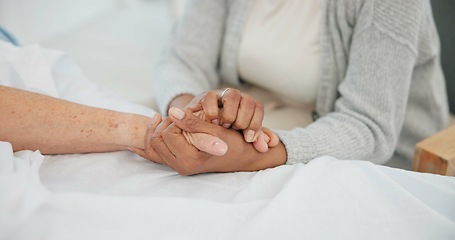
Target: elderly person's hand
column 231, row 108
column 171, row 144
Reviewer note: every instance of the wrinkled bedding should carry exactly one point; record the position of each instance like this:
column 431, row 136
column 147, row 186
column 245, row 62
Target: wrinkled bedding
column 119, row 195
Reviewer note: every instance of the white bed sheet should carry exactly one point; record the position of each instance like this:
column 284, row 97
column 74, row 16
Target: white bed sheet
column 122, row 196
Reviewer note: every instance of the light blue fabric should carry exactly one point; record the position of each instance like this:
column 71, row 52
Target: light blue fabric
column 6, row 36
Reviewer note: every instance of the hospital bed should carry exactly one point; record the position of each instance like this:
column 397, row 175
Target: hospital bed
column 120, row 195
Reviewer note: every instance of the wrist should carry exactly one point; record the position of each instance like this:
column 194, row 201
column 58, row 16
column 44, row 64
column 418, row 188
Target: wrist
column 130, row 131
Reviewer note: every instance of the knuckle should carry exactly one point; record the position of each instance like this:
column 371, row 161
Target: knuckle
column 206, row 99
column 234, row 91
column 232, row 95
column 255, row 125
column 241, row 125
column 228, row 118
column 248, row 99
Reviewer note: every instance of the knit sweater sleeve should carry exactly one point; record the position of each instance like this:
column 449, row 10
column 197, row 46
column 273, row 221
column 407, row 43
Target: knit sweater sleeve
column 188, row 64
column 370, row 110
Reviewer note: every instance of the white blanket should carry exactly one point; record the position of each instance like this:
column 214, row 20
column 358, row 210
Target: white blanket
column 122, row 196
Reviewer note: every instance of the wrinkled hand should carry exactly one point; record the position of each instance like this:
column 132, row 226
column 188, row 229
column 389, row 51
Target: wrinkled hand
column 168, row 145
column 233, row 109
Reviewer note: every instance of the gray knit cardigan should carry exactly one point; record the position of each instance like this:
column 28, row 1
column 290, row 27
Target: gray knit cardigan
column 381, row 88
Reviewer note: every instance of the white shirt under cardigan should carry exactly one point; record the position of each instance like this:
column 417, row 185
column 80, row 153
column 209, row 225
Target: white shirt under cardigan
column 279, row 52
column 381, row 88
column 279, row 49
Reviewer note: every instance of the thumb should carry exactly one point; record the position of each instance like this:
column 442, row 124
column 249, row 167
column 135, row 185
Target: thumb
column 207, row 143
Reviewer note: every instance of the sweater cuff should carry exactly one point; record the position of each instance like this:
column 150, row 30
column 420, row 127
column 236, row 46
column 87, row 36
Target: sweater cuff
column 299, row 145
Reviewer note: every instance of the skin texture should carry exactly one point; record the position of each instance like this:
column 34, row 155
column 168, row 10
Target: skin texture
column 184, row 141
column 32, row 121
column 168, row 145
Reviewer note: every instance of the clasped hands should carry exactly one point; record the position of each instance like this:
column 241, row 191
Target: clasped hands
column 216, row 132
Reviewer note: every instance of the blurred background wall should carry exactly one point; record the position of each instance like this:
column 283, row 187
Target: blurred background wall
column 115, row 42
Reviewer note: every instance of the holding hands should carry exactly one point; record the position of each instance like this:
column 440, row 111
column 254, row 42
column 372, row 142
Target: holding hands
column 231, row 108
column 167, row 143
column 218, row 131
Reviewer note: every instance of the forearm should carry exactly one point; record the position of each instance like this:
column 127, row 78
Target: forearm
column 54, row 126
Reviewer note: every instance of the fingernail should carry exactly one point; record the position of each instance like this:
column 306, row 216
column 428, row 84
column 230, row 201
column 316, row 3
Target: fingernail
column 177, row 113
column 267, row 138
column 226, row 125
column 215, row 121
column 250, row 136
column 219, row 148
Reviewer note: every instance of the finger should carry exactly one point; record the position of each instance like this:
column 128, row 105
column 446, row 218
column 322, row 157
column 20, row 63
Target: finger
column 230, row 102
column 207, row 143
column 251, row 133
column 138, row 151
column 245, row 113
column 210, row 107
column 198, row 132
column 195, row 103
column 149, row 152
column 155, row 120
column 142, row 153
column 188, row 159
column 261, row 143
column 159, row 146
column 273, row 138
